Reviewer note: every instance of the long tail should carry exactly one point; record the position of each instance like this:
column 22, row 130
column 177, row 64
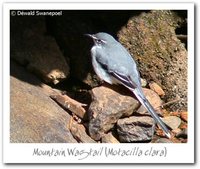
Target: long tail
column 140, row 96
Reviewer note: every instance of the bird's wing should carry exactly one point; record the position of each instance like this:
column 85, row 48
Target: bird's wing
column 125, row 80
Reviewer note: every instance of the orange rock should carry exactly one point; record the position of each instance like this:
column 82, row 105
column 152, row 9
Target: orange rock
column 183, row 126
column 154, row 99
column 175, row 113
column 184, row 115
column 155, row 87
column 178, row 130
column 160, row 132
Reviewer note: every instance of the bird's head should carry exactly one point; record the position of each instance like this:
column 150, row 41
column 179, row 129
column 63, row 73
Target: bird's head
column 101, row 38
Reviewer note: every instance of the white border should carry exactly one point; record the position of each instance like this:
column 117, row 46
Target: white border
column 22, row 153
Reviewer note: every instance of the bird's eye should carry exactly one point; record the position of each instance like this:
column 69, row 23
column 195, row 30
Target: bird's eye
column 99, row 41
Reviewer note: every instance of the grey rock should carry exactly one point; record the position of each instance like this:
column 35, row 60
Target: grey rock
column 143, row 82
column 162, row 57
column 34, row 117
column 163, row 140
column 108, row 105
column 134, row 129
column 182, row 134
column 172, row 121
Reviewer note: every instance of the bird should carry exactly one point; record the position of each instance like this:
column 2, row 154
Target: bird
column 114, row 65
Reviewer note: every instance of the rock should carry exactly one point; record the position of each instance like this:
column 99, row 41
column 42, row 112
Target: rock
column 37, row 51
column 176, row 131
column 156, row 88
column 134, row 129
column 154, row 99
column 109, row 138
column 163, row 140
column 172, row 121
column 143, row 82
column 184, row 116
column 108, row 105
column 34, row 117
column 183, row 125
column 79, row 132
column 176, row 113
column 151, row 38
column 183, row 134
column 69, row 30
column 70, row 104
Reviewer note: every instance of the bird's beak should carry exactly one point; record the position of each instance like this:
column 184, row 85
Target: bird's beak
column 91, row 36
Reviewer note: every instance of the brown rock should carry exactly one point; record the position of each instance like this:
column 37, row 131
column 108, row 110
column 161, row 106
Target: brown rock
column 109, row 138
column 79, row 132
column 184, row 116
column 156, row 88
column 70, row 104
column 154, row 99
column 134, row 129
column 34, row 117
column 108, row 105
column 37, row 51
